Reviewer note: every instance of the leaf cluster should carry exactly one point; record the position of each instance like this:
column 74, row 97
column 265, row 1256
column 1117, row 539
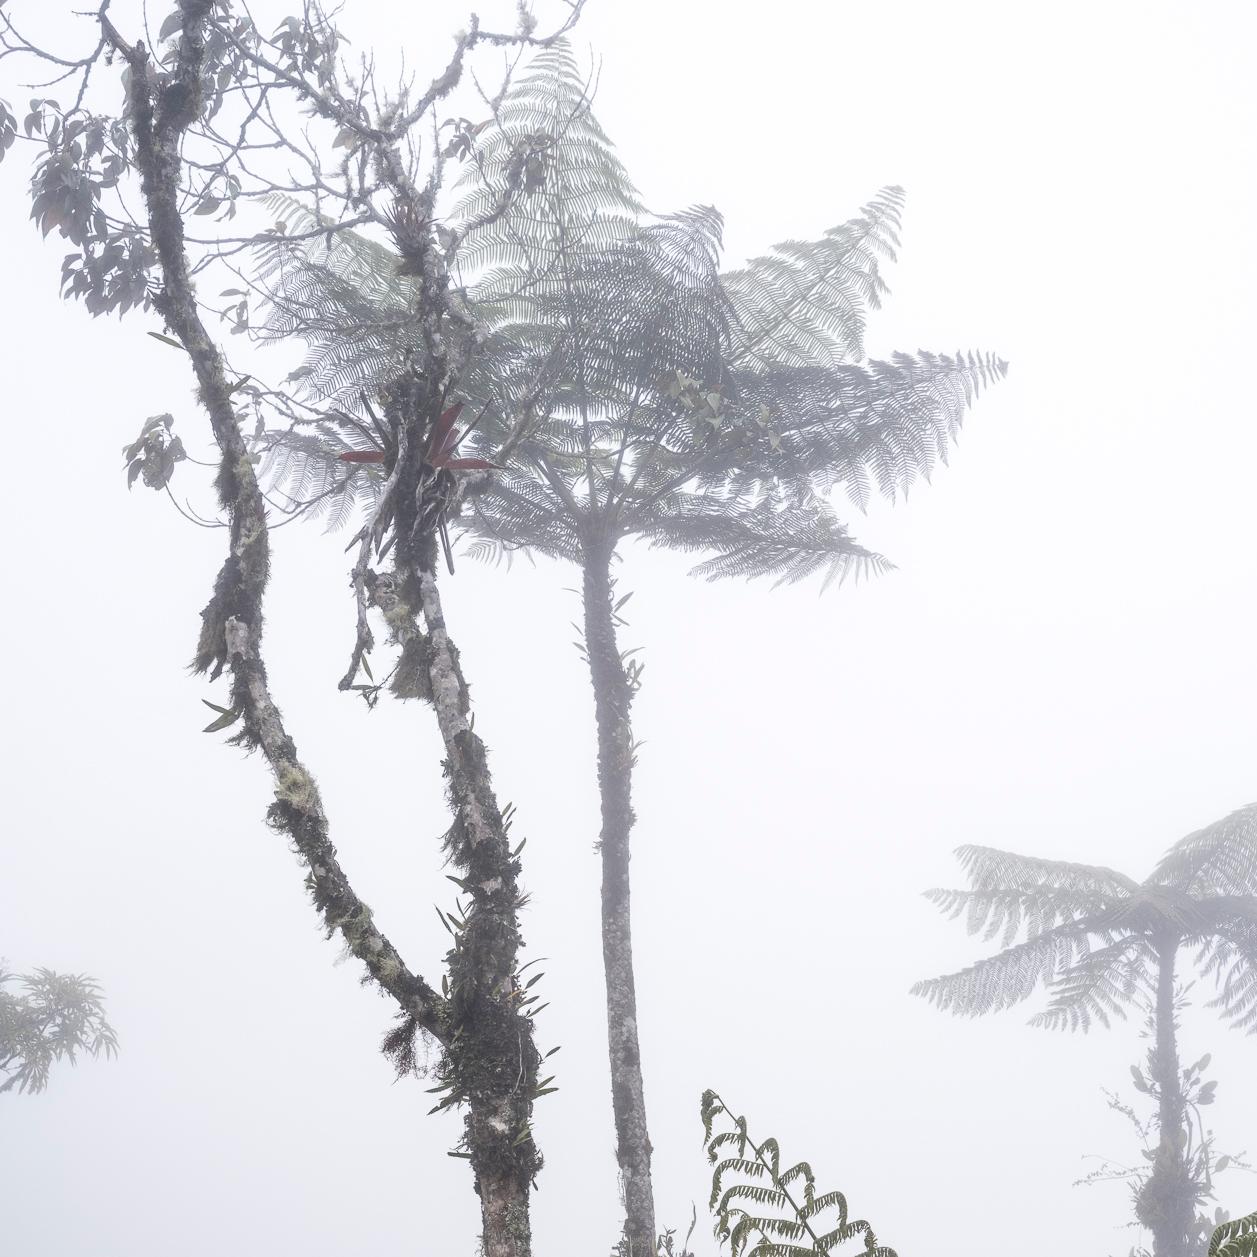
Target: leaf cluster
column 153, row 454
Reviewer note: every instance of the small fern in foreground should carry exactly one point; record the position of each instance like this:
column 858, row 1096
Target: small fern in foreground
column 1235, row 1239
column 762, row 1210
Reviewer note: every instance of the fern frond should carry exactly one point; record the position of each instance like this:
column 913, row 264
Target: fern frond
column 1219, row 859
column 1090, row 885
column 1229, row 957
column 788, row 542
column 804, row 304
column 1104, row 984
column 1237, row 1238
column 586, row 200
column 761, row 1210
column 1012, row 975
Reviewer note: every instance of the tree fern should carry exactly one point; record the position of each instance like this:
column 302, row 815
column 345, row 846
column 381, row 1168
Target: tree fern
column 593, row 310
column 1101, row 943
column 629, row 387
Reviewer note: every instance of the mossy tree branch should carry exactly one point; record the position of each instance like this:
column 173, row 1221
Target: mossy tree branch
column 160, row 111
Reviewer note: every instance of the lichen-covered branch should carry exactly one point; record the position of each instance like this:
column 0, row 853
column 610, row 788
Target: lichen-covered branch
column 160, row 108
column 495, row 1064
column 211, row 61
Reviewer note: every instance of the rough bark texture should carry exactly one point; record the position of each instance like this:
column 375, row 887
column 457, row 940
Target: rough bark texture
column 613, row 696
column 493, row 1062
column 490, row 1060
column 1166, row 1203
column 160, row 109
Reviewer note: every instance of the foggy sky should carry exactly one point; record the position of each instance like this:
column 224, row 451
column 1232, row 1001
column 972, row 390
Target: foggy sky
column 1062, row 665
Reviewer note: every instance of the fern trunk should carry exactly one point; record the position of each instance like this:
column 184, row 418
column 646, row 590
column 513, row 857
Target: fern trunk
column 1167, row 1202
column 613, row 697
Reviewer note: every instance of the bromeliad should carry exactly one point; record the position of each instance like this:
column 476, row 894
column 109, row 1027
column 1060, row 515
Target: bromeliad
column 437, row 487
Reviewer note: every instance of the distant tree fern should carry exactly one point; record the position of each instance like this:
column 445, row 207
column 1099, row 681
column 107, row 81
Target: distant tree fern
column 1102, row 943
column 763, row 1210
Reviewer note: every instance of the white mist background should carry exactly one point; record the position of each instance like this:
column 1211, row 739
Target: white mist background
column 1061, row 665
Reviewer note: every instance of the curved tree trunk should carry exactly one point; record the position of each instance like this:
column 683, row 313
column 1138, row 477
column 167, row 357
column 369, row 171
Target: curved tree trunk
column 1166, row 1203
column 613, row 696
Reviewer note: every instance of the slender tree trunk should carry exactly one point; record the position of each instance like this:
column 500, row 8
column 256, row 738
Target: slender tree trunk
column 491, row 1059
column 613, row 696
column 1166, row 1204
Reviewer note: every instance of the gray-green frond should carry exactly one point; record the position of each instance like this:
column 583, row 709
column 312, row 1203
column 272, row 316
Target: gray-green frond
column 304, row 473
column 1228, row 955
column 343, row 295
column 1219, row 859
column 804, row 304
column 639, row 310
column 1012, row 975
column 1101, row 986
column 515, row 512
column 583, row 199
column 786, row 540
column 880, row 425
column 1009, row 912
column 1092, row 886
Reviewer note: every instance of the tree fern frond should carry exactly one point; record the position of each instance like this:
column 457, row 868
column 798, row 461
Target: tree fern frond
column 804, row 304
column 1007, row 912
column 1092, row 885
column 786, row 541
column 1230, row 958
column 1000, row 981
column 1102, row 985
column 1219, row 859
column 586, row 199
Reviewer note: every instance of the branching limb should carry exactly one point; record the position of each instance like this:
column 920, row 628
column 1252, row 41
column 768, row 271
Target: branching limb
column 160, row 111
